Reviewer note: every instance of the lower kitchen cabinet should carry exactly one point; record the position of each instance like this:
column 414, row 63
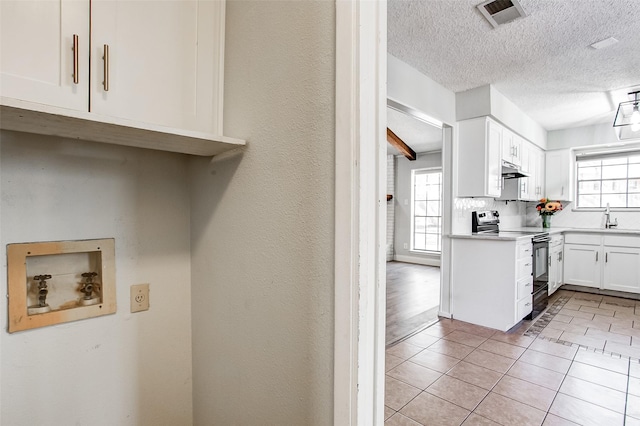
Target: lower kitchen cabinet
column 582, row 265
column 609, row 262
column 556, row 263
column 622, row 264
column 491, row 281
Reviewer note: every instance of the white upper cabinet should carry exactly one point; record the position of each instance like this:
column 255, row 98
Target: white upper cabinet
column 37, row 58
column 537, row 161
column 511, row 147
column 479, row 158
column 559, row 175
column 164, row 61
column 153, row 77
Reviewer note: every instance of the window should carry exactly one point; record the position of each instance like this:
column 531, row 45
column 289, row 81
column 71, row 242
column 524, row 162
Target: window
column 426, row 198
column 609, row 178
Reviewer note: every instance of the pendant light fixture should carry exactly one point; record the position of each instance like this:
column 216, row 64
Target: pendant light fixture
column 628, row 113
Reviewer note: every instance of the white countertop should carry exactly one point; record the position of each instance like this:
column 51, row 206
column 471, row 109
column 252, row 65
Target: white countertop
column 508, row 233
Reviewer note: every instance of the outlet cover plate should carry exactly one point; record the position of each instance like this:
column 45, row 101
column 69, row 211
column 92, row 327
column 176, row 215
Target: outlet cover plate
column 139, row 297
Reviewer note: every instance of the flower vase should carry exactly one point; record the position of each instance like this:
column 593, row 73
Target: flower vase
column 546, row 221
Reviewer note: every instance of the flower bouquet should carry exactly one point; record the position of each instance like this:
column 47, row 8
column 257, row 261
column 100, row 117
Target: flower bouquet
column 546, row 209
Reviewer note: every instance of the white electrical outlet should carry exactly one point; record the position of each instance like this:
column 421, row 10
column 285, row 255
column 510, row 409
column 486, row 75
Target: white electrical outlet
column 139, row 297
column 406, row 246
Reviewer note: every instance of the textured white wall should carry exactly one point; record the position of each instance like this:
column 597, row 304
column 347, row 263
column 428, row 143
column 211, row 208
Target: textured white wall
column 410, row 87
column 487, row 100
column 122, row 369
column 262, row 225
column 597, row 134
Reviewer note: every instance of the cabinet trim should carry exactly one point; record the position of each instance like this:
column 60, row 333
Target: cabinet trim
column 42, row 119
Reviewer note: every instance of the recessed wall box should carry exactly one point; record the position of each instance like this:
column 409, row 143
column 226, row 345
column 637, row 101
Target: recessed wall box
column 60, row 281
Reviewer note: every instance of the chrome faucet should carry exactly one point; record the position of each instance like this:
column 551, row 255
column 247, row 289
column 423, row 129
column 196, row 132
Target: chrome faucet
column 607, row 214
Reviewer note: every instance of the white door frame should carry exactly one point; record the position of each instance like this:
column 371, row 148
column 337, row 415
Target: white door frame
column 360, row 212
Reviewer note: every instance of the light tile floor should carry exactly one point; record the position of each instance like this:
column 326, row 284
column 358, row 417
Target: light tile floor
column 582, row 369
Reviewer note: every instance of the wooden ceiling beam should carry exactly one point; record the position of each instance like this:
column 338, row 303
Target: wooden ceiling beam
column 398, row 144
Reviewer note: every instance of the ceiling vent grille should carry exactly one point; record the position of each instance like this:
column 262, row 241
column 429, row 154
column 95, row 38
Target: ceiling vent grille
column 500, row 12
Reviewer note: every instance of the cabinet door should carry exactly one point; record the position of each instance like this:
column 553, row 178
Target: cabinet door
column 164, row 62
column 36, row 52
column 493, row 159
column 555, row 269
column 559, row 165
column 507, row 144
column 538, row 171
column 622, row 269
column 582, row 265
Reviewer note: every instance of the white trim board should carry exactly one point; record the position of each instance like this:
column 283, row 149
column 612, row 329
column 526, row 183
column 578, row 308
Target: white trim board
column 360, row 211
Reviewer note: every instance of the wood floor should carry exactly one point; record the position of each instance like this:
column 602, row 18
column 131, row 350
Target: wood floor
column 413, row 296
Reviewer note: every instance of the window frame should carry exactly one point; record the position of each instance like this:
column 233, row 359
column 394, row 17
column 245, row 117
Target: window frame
column 414, row 172
column 603, row 155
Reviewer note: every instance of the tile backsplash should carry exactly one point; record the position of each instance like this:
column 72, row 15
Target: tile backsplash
column 569, row 218
column 512, row 213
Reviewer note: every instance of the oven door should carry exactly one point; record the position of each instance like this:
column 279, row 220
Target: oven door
column 540, row 274
column 540, row 264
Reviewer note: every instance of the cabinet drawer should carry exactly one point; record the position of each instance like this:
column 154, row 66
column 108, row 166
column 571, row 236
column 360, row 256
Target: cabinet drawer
column 525, row 268
column 589, row 239
column 524, row 308
column 524, row 250
column 622, row 241
column 525, row 287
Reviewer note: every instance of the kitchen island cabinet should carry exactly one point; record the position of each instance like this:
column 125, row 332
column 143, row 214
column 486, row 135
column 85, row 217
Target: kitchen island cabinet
column 491, row 281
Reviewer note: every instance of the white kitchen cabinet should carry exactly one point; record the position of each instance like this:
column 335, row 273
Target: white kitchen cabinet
column 582, row 264
column 622, row 269
column 537, row 172
column 164, row 64
column 621, row 263
column 556, row 263
column 610, row 262
column 479, row 158
column 526, row 188
column 491, row 281
column 36, row 52
column 163, row 74
column 511, row 147
column 559, row 175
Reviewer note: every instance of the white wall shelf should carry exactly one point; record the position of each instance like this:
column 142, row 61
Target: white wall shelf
column 42, row 119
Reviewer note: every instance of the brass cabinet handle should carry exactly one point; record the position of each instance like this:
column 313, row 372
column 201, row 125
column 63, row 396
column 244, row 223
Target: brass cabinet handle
column 105, row 59
column 76, row 76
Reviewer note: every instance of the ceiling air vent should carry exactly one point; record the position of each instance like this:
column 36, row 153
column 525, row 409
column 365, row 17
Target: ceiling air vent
column 500, row 12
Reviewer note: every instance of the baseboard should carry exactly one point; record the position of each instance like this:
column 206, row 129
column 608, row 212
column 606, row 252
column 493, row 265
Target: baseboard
column 417, row 259
column 603, row 292
column 445, row 314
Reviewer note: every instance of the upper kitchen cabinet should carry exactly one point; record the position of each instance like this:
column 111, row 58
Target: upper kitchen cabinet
column 44, row 52
column 158, row 62
column 511, row 147
column 153, row 77
column 536, row 173
column 559, row 174
column 479, row 158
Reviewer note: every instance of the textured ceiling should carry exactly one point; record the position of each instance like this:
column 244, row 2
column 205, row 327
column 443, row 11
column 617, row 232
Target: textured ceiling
column 543, row 62
column 420, row 136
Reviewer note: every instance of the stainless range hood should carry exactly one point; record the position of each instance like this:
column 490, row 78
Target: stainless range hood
column 511, row 171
